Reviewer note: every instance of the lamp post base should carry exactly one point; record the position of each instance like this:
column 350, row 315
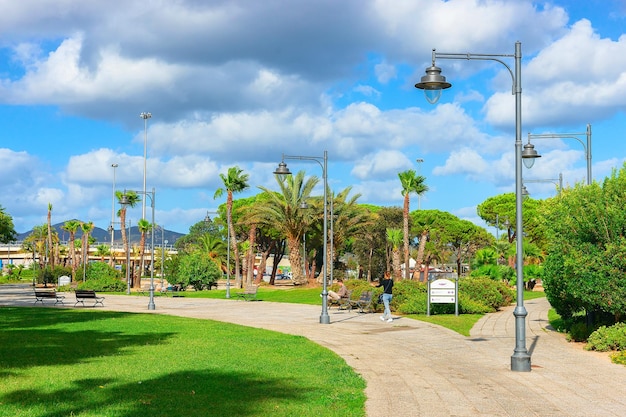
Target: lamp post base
column 324, row 319
column 228, row 289
column 151, row 305
column 520, row 362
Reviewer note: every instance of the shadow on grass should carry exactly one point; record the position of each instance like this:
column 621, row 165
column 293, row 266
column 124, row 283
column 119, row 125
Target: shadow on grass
column 176, row 394
column 29, row 334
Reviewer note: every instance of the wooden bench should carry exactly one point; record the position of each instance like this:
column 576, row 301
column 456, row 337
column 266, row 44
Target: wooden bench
column 41, row 295
column 249, row 293
column 82, row 295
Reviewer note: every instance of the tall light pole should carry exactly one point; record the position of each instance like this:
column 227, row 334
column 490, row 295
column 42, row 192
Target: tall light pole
column 571, row 136
column 112, row 228
column 323, row 163
column 556, row 181
column 145, row 116
column 124, row 201
column 432, row 84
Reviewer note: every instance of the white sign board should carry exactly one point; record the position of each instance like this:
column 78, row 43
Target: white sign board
column 442, row 291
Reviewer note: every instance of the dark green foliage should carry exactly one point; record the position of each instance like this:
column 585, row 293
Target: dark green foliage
column 579, row 332
column 495, row 272
column 608, row 338
column 100, row 276
column 585, row 271
column 196, row 270
column 50, row 275
column 493, row 294
column 103, row 283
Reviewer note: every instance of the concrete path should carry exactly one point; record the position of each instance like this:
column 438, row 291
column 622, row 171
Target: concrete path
column 414, row 368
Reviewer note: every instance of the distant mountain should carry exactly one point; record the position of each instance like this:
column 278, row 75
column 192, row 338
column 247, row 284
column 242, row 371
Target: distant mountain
column 103, row 236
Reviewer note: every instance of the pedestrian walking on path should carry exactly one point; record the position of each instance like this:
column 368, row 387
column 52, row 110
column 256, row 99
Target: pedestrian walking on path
column 387, row 284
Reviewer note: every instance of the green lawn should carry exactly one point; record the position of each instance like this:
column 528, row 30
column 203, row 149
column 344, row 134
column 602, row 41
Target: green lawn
column 62, row 362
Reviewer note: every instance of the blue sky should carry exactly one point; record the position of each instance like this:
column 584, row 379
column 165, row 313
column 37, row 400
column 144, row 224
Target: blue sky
column 236, row 82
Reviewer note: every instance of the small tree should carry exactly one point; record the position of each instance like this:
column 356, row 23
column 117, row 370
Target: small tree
column 197, row 270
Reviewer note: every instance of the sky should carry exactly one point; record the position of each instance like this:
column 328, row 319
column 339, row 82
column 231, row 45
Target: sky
column 242, row 82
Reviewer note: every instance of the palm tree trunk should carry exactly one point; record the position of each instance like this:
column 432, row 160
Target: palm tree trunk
column 420, row 251
column 233, row 237
column 296, row 262
column 405, row 215
column 251, row 254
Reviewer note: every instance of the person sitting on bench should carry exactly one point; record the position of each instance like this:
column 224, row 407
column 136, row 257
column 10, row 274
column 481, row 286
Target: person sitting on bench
column 342, row 293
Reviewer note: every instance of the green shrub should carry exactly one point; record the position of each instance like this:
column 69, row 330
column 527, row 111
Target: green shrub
column 579, row 332
column 105, row 284
column 608, row 338
column 468, row 305
column 493, row 294
column 495, row 272
column 198, row 270
column 50, row 275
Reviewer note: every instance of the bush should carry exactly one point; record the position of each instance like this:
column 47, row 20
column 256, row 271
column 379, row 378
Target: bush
column 579, row 332
column 105, row 284
column 608, row 338
column 493, row 294
column 50, row 275
column 495, row 272
column 197, row 270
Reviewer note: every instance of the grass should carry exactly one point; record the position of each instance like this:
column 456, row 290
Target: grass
column 58, row 362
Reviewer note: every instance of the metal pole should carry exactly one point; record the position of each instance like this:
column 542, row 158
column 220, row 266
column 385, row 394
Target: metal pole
column 520, row 360
column 325, row 318
column 588, row 154
column 151, row 302
column 113, row 210
column 145, row 116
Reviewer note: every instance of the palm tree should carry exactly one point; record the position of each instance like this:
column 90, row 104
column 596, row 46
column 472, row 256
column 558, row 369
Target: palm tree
column 102, row 251
column 144, row 226
column 348, row 220
column 216, row 249
column 131, row 199
column 234, row 182
column 72, row 226
column 50, row 253
column 394, row 238
column 411, row 183
column 37, row 241
column 283, row 212
column 86, row 228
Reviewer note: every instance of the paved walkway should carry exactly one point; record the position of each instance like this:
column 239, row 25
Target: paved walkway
column 414, row 368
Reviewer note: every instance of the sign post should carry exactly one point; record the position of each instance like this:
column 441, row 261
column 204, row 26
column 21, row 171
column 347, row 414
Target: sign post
column 443, row 291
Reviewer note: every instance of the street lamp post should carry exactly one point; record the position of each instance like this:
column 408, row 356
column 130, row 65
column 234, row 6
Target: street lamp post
column 575, row 136
column 145, row 116
column 556, row 181
column 112, row 228
column 124, row 201
column 323, row 163
column 432, row 84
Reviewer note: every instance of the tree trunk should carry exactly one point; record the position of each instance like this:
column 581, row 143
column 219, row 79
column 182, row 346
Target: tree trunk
column 405, row 218
column 420, row 251
column 296, row 262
